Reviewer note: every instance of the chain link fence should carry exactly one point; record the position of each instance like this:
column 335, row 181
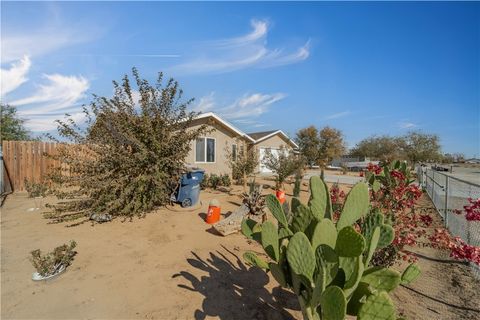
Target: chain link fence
column 449, row 193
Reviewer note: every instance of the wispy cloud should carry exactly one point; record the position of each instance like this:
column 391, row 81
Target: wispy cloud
column 56, row 95
column 407, row 125
column 54, row 33
column 337, row 115
column 15, row 76
column 59, row 92
column 43, row 41
column 40, row 123
column 251, row 105
column 242, row 52
column 243, row 111
column 206, row 103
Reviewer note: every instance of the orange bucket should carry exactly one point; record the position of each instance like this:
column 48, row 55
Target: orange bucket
column 280, row 194
column 213, row 213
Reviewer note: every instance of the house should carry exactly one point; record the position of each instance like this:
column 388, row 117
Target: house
column 210, row 152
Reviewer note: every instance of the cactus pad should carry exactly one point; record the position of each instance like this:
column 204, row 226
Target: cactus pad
column 277, row 273
column 353, row 268
column 358, row 298
column 334, row 304
column 300, row 256
column 410, row 274
column 302, row 219
column 386, row 231
column 324, row 233
column 318, row 198
column 270, row 240
column 327, row 263
column 381, row 278
column 247, row 227
column 350, row 243
column 252, row 259
column 284, row 233
column 276, row 209
column 378, row 306
column 387, row 234
column 372, row 245
column 355, row 276
column 355, row 206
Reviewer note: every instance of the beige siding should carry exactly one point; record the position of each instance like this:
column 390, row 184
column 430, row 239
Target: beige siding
column 224, row 137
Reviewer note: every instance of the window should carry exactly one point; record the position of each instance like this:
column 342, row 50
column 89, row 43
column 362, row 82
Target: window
column 234, row 152
column 205, row 150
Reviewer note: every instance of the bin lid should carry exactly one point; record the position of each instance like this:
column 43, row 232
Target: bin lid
column 194, row 169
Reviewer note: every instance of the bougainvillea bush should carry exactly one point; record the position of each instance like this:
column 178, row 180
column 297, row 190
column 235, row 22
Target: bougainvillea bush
column 394, row 194
column 127, row 157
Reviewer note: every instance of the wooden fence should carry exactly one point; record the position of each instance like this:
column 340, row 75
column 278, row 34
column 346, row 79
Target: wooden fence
column 27, row 160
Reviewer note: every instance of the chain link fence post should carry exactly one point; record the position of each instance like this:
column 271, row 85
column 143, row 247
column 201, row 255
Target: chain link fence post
column 446, row 202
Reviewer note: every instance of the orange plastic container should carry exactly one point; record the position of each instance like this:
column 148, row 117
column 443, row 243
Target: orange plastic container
column 280, row 194
column 213, row 214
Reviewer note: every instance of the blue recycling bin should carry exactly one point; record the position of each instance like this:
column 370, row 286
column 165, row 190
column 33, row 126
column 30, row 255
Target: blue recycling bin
column 188, row 191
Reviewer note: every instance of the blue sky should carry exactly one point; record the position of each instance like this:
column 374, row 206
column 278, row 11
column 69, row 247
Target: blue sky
column 365, row 68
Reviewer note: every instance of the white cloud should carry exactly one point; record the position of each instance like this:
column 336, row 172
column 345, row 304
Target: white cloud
column 40, row 42
column 260, row 30
column 205, row 104
column 251, row 105
column 243, row 111
column 58, row 93
column 407, row 125
column 47, row 122
column 338, row 115
column 241, row 52
column 15, row 76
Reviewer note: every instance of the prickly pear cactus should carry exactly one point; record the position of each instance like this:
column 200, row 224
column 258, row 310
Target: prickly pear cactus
column 326, row 264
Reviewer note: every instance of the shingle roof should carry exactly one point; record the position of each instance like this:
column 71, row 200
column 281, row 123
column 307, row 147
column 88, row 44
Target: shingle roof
column 259, row 135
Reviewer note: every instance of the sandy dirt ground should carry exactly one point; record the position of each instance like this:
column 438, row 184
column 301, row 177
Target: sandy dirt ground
column 171, row 265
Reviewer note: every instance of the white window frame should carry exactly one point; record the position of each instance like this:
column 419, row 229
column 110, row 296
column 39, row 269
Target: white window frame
column 205, row 150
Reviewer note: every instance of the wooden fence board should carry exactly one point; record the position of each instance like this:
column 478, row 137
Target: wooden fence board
column 27, row 160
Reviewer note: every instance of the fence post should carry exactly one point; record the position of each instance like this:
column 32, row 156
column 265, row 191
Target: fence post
column 433, row 188
column 446, row 201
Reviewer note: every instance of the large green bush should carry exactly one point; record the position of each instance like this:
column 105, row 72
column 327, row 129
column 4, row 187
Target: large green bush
column 128, row 157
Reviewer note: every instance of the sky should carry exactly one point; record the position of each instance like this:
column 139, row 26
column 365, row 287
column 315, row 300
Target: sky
column 366, row 68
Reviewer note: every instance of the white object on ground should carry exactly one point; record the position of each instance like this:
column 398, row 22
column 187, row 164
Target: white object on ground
column 38, row 277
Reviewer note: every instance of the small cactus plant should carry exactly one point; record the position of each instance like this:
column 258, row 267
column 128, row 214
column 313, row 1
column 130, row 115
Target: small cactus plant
column 327, row 264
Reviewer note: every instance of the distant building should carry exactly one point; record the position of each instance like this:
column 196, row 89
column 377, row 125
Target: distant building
column 352, row 163
column 473, row 161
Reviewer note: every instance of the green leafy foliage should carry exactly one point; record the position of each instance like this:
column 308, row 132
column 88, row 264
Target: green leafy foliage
column 326, row 265
column 128, row 157
column 12, row 126
column 283, row 164
column 51, row 262
column 36, row 189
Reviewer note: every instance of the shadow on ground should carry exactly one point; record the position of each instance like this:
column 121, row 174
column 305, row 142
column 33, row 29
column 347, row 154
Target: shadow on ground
column 233, row 291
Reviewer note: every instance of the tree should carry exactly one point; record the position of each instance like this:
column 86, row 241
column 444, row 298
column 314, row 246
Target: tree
column 384, row 148
column 12, row 126
column 331, row 145
column 309, row 144
column 128, row 158
column 283, row 164
column 243, row 163
column 419, row 147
